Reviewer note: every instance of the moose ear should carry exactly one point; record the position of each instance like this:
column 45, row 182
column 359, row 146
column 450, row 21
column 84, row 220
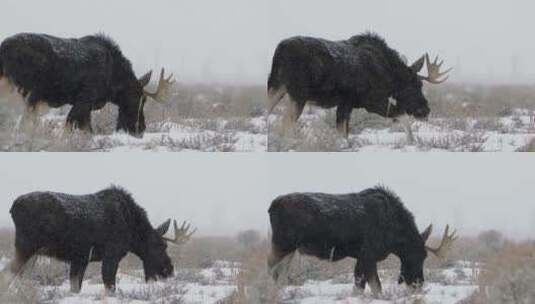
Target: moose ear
column 145, row 79
column 162, row 229
column 427, row 232
column 417, row 66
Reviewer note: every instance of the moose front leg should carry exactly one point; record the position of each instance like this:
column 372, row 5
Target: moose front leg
column 366, row 272
column 79, row 117
column 30, row 118
column 15, row 268
column 360, row 277
column 343, row 114
column 373, row 279
column 109, row 272
column 279, row 264
column 294, row 111
column 405, row 121
column 76, row 275
column 274, row 97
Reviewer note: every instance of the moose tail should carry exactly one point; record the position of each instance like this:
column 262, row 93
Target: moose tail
column 276, row 89
column 276, row 66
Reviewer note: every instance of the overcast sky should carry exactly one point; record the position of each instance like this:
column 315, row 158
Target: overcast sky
column 225, row 193
column 233, row 40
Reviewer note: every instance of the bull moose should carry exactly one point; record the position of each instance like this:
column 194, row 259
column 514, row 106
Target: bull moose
column 86, row 73
column 361, row 72
column 79, row 229
column 368, row 226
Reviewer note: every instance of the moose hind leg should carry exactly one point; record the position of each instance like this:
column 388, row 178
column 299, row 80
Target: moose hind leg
column 274, row 97
column 282, row 269
column 405, row 121
column 343, row 114
column 373, row 280
column 366, row 272
column 76, row 275
column 30, row 118
column 109, row 272
column 79, row 117
column 360, row 278
column 294, row 111
column 16, row 267
column 24, row 251
column 279, row 262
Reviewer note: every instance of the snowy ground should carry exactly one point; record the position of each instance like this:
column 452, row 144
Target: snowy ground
column 188, row 286
column 327, row 293
column 208, row 135
column 215, row 117
column 211, row 285
column 316, row 132
column 186, row 137
column 446, row 286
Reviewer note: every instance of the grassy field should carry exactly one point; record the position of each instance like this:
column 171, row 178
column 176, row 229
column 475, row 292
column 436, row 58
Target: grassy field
column 464, row 118
column 231, row 118
column 487, row 268
column 198, row 117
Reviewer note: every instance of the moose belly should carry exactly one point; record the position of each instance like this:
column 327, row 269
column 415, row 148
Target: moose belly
column 323, row 103
column 329, row 252
column 70, row 252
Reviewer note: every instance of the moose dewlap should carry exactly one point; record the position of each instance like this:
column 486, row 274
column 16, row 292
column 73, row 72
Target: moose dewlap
column 368, row 226
column 80, row 229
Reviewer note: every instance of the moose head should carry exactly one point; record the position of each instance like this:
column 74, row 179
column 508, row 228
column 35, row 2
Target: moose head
column 156, row 262
column 132, row 101
column 413, row 257
column 409, row 96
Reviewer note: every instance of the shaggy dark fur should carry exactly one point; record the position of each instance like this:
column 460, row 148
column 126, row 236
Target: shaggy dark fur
column 368, row 226
column 79, row 229
column 361, row 72
column 85, row 73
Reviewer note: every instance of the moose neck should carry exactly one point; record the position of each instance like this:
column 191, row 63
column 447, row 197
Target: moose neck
column 408, row 245
column 130, row 110
column 139, row 245
column 139, row 225
column 406, row 240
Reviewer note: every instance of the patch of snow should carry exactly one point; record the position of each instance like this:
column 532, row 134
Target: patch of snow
column 219, row 281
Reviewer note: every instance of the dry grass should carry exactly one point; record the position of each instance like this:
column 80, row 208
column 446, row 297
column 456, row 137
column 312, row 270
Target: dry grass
column 211, row 101
column 171, row 292
column 507, row 271
column 472, row 109
column 466, row 142
column 314, row 138
column 254, row 284
column 508, row 276
column 457, row 106
column 529, row 147
column 462, row 100
column 204, row 107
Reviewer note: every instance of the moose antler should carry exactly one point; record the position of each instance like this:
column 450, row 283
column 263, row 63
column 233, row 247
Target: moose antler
column 182, row 234
column 445, row 244
column 164, row 88
column 433, row 71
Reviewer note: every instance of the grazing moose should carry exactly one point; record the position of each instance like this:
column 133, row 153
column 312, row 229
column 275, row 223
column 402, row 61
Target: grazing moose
column 361, row 72
column 367, row 226
column 85, row 73
column 80, row 229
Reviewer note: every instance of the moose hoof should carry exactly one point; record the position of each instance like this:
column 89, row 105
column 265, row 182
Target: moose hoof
column 357, row 291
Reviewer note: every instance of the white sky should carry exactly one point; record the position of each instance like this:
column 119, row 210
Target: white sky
column 233, row 40
column 225, row 193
